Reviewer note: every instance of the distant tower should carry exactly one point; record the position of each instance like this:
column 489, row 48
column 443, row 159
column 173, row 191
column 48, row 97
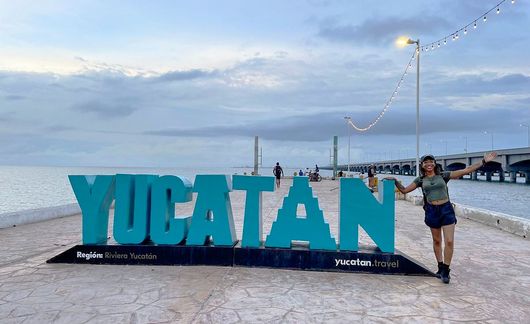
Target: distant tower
column 335, row 142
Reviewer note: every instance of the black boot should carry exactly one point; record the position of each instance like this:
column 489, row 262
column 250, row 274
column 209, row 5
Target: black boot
column 445, row 273
column 439, row 273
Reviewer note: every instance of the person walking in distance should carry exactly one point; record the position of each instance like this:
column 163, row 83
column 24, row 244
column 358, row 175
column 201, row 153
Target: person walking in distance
column 278, row 173
column 439, row 212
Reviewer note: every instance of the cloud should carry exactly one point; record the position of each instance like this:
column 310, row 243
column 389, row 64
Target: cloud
column 377, row 31
column 321, row 127
column 105, row 110
column 14, row 97
column 184, row 75
column 474, row 84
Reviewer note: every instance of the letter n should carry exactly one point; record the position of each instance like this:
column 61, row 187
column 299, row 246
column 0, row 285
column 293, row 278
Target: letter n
column 166, row 227
column 288, row 226
column 133, row 208
column 212, row 216
column 94, row 195
column 358, row 207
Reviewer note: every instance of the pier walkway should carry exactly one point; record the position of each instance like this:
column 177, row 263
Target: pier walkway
column 490, row 280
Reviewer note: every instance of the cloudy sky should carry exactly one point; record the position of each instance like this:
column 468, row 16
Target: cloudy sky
column 190, row 83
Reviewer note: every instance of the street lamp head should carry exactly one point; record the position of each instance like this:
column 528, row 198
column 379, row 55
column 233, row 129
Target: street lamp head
column 404, row 41
column 523, row 125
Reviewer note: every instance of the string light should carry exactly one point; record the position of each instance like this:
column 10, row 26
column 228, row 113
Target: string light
column 389, row 101
column 464, row 29
column 424, row 48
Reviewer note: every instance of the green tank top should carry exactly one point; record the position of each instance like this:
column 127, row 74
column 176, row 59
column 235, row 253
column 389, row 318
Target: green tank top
column 435, row 187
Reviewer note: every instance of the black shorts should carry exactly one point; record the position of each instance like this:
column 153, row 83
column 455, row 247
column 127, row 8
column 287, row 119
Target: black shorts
column 278, row 177
column 437, row 216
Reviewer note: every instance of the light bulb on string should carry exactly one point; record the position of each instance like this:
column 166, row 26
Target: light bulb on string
column 445, row 41
column 498, row 10
column 465, row 31
column 475, row 25
column 513, row 1
column 485, row 18
column 456, row 36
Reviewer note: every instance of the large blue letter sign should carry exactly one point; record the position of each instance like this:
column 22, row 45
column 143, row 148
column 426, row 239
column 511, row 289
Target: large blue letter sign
column 94, row 195
column 212, row 216
column 252, row 224
column 288, row 226
column 358, row 207
column 165, row 227
column 145, row 209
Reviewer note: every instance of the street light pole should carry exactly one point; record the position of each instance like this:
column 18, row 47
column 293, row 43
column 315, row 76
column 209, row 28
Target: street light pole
column 348, row 119
column 417, row 104
column 528, row 129
column 491, row 133
column 403, row 41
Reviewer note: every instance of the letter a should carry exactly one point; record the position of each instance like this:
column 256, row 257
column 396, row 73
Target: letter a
column 212, row 216
column 289, row 227
column 94, row 195
column 253, row 222
column 358, row 207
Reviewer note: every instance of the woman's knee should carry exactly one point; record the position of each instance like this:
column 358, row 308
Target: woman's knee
column 449, row 243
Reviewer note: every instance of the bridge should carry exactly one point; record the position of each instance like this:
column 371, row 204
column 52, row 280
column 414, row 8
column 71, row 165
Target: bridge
column 508, row 162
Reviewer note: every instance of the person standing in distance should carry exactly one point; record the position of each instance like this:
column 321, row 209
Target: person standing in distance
column 278, row 173
column 439, row 212
column 371, row 174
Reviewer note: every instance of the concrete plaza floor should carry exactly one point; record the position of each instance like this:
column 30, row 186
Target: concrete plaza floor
column 490, row 280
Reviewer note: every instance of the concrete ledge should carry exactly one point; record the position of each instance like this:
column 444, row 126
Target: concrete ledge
column 414, row 199
column 512, row 224
column 37, row 215
column 508, row 223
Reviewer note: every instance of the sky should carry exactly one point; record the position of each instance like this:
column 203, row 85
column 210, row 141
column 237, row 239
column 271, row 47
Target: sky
column 190, row 83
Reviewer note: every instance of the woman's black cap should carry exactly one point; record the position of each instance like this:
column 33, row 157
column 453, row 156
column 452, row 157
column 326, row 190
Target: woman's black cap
column 427, row 157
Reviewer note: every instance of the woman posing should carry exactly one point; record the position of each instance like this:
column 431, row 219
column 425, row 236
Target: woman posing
column 439, row 212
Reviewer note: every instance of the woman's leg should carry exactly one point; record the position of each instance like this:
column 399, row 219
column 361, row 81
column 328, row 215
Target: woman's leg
column 449, row 237
column 437, row 243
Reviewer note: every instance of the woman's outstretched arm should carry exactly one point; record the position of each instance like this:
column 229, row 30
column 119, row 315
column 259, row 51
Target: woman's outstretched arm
column 474, row 167
column 400, row 186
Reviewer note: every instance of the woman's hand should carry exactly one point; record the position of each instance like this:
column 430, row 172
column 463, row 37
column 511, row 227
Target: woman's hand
column 490, row 156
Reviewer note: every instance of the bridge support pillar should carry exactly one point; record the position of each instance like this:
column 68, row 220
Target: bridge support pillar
column 513, row 177
column 474, row 175
column 501, row 176
column 488, row 176
column 527, row 177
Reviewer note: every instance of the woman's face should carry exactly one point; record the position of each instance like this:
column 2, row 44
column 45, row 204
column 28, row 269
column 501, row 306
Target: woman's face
column 428, row 165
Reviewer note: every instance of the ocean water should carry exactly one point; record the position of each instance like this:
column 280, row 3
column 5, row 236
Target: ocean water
column 23, row 188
